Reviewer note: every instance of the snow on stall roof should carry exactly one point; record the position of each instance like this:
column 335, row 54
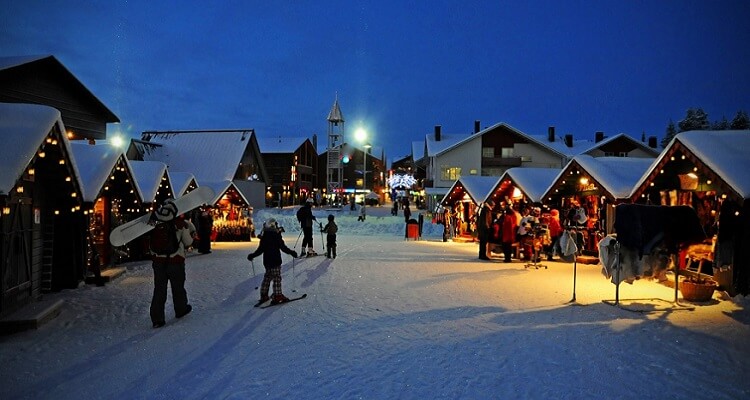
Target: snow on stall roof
column 533, row 182
column 211, row 156
column 618, row 175
column 278, row 144
column 95, row 164
column 147, row 176
column 725, row 152
column 25, row 126
column 219, row 188
column 180, row 181
column 477, row 187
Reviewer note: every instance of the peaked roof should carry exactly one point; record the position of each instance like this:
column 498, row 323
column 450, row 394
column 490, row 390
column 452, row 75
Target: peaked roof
column 335, row 114
column 180, row 182
column 477, row 187
column 95, row 164
column 25, row 126
column 724, row 152
column 615, row 175
column 532, row 182
column 148, row 176
column 191, row 151
column 278, row 144
column 643, row 146
column 7, row 63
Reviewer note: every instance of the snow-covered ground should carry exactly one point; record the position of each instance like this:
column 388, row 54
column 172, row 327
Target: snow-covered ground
column 387, row 319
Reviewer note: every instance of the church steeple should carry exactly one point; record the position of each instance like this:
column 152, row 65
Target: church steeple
column 335, row 116
column 334, row 170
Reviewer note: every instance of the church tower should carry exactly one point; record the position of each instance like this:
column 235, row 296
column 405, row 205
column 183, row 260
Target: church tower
column 334, row 169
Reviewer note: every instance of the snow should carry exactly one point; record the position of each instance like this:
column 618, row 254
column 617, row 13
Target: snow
column 387, row 319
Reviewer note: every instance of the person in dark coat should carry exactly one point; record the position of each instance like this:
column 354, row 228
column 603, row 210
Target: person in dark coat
column 205, row 226
column 271, row 245
column 510, row 226
column 306, row 218
column 484, row 224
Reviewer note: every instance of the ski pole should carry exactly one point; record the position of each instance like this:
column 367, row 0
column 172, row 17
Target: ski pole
column 322, row 245
column 294, row 276
column 296, row 241
column 253, row 264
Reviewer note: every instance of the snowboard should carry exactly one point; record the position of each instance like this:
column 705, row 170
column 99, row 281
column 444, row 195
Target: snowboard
column 144, row 224
column 286, row 302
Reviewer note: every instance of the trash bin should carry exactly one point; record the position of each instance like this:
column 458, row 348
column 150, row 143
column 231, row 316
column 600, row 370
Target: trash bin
column 412, row 230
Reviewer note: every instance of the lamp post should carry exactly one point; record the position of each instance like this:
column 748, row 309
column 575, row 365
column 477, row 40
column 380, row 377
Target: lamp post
column 361, row 135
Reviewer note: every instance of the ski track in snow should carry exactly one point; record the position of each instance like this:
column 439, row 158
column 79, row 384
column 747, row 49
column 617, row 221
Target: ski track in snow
column 388, row 318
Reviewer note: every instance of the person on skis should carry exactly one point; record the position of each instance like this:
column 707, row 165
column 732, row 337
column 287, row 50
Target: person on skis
column 271, row 245
column 330, row 229
column 306, row 218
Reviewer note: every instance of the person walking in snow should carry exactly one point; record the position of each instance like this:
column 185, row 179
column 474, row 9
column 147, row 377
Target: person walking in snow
column 362, row 213
column 271, row 245
column 484, row 223
column 168, row 262
column 306, row 218
column 330, row 229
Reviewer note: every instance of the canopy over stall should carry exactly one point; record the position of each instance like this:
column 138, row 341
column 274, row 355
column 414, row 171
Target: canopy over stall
column 462, row 200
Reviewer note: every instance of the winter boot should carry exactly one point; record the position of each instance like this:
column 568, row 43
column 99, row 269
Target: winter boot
column 263, row 299
column 311, row 253
column 279, row 298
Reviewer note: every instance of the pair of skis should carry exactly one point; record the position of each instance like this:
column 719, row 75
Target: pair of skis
column 260, row 304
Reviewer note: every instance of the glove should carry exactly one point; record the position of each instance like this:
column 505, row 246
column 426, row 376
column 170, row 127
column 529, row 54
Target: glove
column 294, row 254
column 250, row 257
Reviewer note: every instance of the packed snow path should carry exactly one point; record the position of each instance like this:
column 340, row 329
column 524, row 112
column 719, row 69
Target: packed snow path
column 387, row 319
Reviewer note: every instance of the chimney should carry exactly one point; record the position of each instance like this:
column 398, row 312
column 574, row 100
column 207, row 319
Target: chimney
column 437, row 132
column 476, row 126
column 569, row 140
column 551, row 134
column 598, row 136
column 652, row 142
column 315, row 142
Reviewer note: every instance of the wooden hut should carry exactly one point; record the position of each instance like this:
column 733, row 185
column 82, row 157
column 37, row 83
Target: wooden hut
column 42, row 241
column 463, row 200
column 707, row 170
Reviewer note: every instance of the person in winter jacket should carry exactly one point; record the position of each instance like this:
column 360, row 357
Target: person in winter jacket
column 306, row 218
column 362, row 213
column 169, row 269
column 330, row 229
column 271, row 245
column 484, row 224
column 510, row 225
column 555, row 230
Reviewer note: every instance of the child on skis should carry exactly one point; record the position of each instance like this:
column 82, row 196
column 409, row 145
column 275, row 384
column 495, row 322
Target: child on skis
column 330, row 229
column 271, row 245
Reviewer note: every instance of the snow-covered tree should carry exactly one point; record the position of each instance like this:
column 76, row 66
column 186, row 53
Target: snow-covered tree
column 668, row 134
column 721, row 125
column 740, row 121
column 695, row 120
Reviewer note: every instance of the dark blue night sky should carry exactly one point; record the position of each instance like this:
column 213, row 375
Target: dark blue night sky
column 398, row 67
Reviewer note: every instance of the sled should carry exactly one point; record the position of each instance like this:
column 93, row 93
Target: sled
column 144, row 224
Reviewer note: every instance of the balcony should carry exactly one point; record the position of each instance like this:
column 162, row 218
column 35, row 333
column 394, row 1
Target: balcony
column 502, row 161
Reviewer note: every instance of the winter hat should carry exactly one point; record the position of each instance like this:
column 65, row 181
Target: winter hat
column 330, row 217
column 271, row 223
column 167, row 211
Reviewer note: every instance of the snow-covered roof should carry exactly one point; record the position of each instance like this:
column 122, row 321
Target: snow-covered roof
column 638, row 143
column 210, row 156
column 616, row 175
column 579, row 145
column 279, row 144
column 724, row 152
column 180, row 182
column 24, row 127
column 435, row 147
column 477, row 187
column 532, row 182
column 417, row 150
column 148, row 176
column 95, row 164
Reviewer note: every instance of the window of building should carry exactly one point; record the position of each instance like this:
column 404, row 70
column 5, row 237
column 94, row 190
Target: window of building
column 488, row 152
column 450, row 173
column 507, row 152
column 473, row 172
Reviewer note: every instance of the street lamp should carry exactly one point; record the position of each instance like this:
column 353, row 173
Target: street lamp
column 364, row 167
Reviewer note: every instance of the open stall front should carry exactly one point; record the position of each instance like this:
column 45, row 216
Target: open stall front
column 461, row 204
column 707, row 170
column 232, row 214
column 597, row 185
column 152, row 182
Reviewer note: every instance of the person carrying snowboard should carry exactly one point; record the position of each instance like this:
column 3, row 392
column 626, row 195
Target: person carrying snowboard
column 167, row 242
column 306, row 218
column 271, row 245
column 330, row 229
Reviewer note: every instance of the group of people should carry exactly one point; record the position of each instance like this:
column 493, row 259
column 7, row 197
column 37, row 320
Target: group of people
column 534, row 233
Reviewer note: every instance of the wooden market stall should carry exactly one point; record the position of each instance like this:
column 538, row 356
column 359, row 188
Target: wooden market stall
column 153, row 185
column 42, row 238
column 231, row 210
column 462, row 202
column 596, row 184
column 707, row 170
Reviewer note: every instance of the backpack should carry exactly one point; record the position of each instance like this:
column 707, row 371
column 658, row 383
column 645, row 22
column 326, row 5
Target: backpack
column 163, row 240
